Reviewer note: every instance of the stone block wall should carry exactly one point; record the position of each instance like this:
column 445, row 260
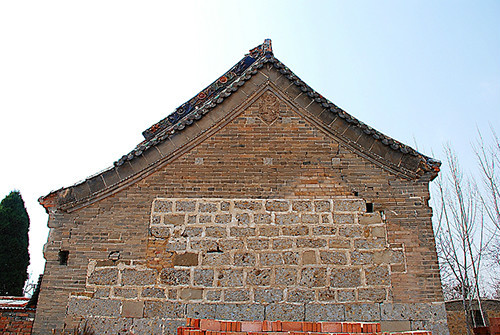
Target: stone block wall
column 255, row 250
column 250, row 259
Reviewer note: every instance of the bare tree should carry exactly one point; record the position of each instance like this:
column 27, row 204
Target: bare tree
column 460, row 236
column 488, row 157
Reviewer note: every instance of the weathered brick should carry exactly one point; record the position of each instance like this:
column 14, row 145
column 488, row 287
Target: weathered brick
column 163, row 309
column 259, row 277
column 218, row 232
column 257, row 243
column 242, row 231
column 152, row 292
column 216, row 259
column 203, row 277
column 139, row 277
column 372, row 294
column 309, row 218
column 262, row 218
column 345, row 205
column 333, row 257
column 174, row 277
column 282, row 243
column 186, row 259
column 327, row 295
column 248, row 205
column 174, row 219
column 223, row 218
column 377, row 275
column 300, row 295
column 106, row 276
column 286, row 276
column 162, row 206
column 311, row 243
column 324, row 230
column 291, row 257
column 242, row 218
column 295, row 230
column 302, row 206
column 230, row 244
column 313, row 277
column 277, row 206
column 268, row 295
column 209, row 207
column 345, row 277
column 322, row 206
column 244, row 259
column 230, row 278
column 237, row 295
column 185, row 206
column 270, row 259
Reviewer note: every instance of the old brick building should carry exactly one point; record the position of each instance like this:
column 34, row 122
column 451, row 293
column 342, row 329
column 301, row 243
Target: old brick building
column 258, row 198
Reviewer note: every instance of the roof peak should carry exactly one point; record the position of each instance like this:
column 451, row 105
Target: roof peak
column 265, row 49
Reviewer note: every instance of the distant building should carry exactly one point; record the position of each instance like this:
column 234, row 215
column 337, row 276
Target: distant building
column 258, row 198
column 456, row 316
column 16, row 315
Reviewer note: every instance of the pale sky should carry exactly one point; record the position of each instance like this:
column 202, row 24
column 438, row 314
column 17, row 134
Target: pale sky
column 80, row 81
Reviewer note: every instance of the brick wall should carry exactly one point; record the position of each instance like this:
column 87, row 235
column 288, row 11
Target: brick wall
column 16, row 321
column 251, row 156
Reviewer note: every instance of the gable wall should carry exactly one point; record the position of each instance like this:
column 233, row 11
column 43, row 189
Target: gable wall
column 248, row 158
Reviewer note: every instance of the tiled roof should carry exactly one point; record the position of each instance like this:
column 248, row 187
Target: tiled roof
column 229, row 82
column 13, row 302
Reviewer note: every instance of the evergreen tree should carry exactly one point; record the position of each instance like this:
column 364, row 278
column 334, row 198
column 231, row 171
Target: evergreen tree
column 14, row 256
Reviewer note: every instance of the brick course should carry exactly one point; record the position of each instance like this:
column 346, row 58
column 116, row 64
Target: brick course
column 16, row 321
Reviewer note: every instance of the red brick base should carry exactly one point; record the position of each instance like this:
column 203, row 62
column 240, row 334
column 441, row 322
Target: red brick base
column 14, row 321
column 216, row 327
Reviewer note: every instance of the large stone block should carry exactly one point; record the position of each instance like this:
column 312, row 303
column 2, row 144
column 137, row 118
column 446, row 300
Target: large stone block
column 186, row 259
column 174, row 277
column 203, row 277
column 164, row 309
column 300, row 295
column 288, row 312
column 268, row 295
column 240, row 312
column 102, row 325
column 313, row 277
column 362, row 312
column 230, row 278
column 146, row 326
column 201, row 311
column 345, row 277
column 105, row 276
column 324, row 312
column 139, row 277
column 97, row 307
column 132, row 309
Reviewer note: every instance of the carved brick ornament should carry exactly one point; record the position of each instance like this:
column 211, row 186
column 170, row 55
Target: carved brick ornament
column 268, row 107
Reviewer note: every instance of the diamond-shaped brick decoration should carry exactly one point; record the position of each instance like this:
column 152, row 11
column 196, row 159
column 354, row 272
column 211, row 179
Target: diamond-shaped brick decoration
column 268, row 107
